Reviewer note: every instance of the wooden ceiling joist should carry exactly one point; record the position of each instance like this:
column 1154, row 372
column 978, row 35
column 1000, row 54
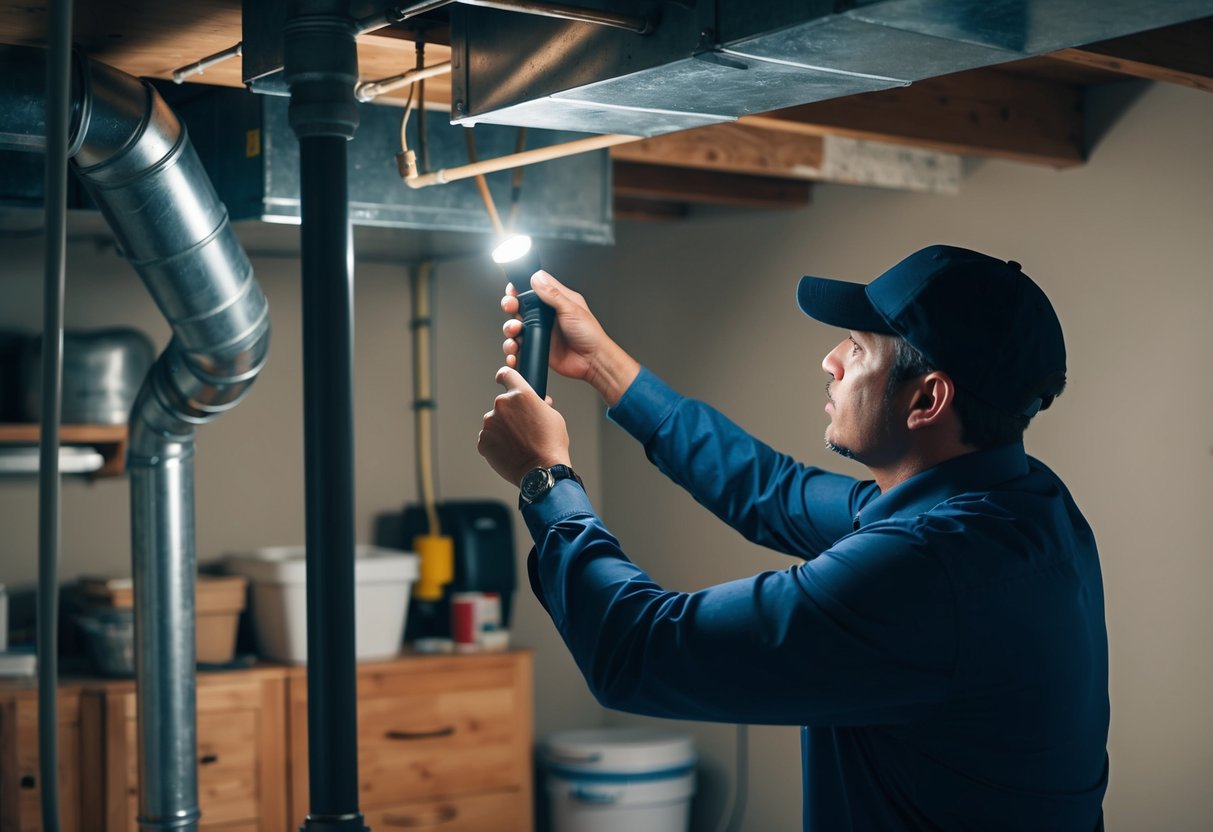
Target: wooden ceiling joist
column 730, row 148
column 981, row 112
column 680, row 185
column 1180, row 54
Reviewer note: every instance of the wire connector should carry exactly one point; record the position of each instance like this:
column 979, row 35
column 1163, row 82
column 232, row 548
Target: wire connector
column 406, row 164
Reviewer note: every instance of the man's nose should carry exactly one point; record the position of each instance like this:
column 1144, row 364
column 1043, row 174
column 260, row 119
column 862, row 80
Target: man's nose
column 831, row 363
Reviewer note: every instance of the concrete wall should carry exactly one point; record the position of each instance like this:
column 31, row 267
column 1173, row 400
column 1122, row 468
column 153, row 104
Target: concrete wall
column 1123, row 247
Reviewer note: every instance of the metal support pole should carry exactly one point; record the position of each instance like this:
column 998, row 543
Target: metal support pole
column 321, row 67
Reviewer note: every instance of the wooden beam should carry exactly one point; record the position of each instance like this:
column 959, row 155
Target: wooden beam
column 1180, row 54
column 666, row 184
column 787, row 154
column 981, row 112
column 730, row 148
column 649, row 210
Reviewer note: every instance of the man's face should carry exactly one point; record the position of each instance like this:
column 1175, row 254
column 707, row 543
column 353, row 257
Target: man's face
column 861, row 424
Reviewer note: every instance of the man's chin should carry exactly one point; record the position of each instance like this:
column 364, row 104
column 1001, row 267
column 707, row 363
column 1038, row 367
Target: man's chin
column 841, row 450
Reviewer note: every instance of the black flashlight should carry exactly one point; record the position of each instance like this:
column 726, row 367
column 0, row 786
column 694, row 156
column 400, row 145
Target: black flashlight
column 520, row 260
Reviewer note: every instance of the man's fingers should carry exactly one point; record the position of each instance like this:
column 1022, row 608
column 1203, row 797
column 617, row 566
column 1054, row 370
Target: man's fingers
column 511, row 379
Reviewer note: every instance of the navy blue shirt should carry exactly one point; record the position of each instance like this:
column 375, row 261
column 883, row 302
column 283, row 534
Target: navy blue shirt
column 943, row 644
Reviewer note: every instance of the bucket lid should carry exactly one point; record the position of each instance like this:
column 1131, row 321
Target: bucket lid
column 631, row 750
column 288, row 564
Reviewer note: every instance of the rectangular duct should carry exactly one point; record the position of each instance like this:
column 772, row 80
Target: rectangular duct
column 711, row 62
column 247, row 145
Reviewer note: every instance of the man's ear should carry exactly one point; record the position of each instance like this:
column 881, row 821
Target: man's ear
column 934, row 396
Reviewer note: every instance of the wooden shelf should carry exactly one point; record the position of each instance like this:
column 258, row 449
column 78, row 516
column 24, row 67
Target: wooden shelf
column 109, row 440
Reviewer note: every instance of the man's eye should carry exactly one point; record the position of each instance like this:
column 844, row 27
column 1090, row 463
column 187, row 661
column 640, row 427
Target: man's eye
column 854, row 346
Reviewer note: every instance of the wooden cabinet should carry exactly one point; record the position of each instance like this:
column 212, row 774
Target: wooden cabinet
column 241, row 753
column 443, row 743
column 20, row 787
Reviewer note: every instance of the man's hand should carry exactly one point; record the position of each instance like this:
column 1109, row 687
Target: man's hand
column 580, row 349
column 521, row 432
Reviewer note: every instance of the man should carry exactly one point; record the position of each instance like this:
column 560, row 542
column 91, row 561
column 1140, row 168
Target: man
column 943, row 644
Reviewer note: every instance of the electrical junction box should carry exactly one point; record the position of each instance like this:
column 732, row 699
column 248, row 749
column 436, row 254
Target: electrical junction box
column 251, row 154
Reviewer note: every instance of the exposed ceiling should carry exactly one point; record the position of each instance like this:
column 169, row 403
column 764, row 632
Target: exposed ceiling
column 1031, row 111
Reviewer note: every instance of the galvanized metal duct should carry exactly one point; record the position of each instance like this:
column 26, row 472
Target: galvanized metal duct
column 707, row 63
column 136, row 162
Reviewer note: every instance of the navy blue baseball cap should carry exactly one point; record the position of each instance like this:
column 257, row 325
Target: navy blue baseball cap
column 979, row 319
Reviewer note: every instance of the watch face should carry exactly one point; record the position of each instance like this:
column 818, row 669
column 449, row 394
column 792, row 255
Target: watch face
column 535, row 484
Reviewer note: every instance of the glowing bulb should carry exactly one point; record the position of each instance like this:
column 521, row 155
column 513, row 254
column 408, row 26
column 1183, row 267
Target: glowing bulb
column 512, row 248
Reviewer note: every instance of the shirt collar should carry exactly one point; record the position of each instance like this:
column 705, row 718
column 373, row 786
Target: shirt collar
column 927, row 489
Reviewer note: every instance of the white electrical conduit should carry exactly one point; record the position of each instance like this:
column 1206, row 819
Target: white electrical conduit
column 514, row 160
column 367, row 90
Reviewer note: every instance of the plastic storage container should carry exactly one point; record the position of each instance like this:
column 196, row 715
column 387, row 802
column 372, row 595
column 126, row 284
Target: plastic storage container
column 620, row 780
column 383, row 579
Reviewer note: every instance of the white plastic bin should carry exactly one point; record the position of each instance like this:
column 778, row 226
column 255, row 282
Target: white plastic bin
column 383, row 580
column 620, row 780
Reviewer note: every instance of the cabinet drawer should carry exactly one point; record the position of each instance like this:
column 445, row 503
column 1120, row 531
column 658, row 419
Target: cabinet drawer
column 443, row 744
column 493, row 812
column 227, row 767
column 241, row 754
column 433, row 730
column 20, row 773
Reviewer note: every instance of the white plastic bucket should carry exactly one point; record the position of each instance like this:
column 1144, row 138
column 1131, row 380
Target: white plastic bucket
column 620, row 780
column 383, row 580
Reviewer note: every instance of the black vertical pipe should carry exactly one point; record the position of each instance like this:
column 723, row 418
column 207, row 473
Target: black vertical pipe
column 321, row 67
column 329, row 441
column 58, row 115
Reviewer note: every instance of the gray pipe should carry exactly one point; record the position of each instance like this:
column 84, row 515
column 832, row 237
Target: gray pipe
column 135, row 160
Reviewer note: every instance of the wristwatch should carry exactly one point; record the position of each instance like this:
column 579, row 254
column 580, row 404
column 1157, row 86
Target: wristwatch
column 537, row 482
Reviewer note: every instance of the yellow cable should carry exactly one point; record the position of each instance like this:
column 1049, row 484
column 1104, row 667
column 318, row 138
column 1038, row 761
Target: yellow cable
column 423, row 391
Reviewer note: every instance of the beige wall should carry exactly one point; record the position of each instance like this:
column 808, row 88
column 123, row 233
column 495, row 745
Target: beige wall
column 1123, row 245
column 249, row 462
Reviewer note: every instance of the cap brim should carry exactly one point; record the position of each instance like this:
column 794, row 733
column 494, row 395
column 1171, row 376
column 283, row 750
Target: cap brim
column 841, row 304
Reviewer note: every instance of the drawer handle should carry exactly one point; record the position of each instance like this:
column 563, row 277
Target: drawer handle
column 207, row 759
column 28, row 782
column 444, row 731
column 437, row 816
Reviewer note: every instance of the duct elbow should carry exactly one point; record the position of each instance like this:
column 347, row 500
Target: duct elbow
column 136, row 161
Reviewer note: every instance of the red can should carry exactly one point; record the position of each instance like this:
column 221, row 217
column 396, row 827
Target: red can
column 472, row 615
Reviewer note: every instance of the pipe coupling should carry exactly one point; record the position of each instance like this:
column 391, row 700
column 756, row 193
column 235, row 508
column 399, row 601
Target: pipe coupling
column 320, row 64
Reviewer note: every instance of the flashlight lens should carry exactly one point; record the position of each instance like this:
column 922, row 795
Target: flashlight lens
column 512, row 248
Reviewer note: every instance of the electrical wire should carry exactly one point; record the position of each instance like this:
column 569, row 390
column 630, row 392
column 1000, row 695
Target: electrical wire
column 516, row 184
column 423, row 143
column 406, row 160
column 421, row 280
column 483, row 186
